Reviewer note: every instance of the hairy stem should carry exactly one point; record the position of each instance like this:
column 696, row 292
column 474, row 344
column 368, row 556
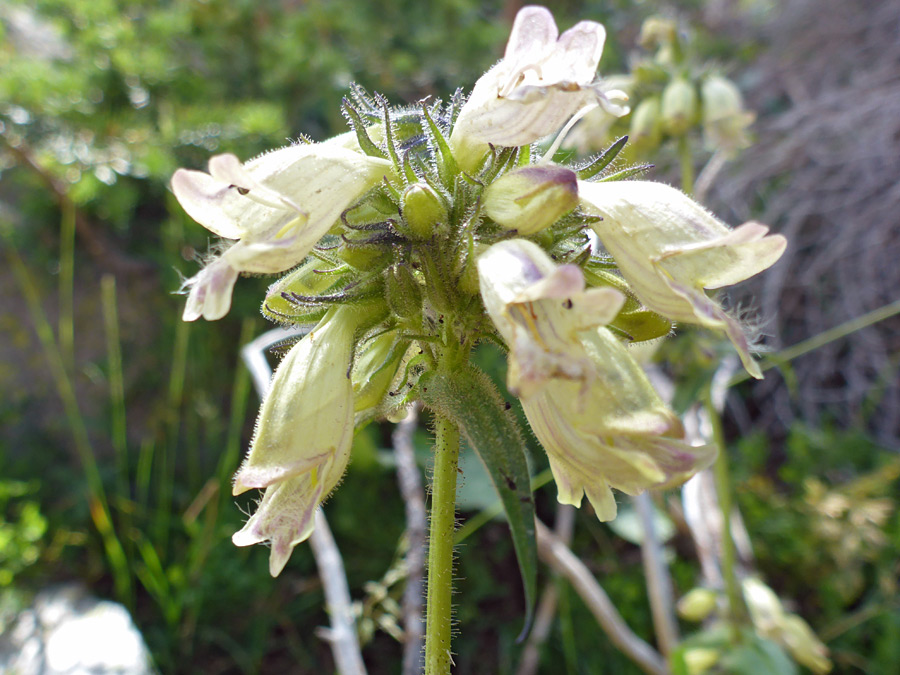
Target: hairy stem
column 736, row 610
column 687, row 165
column 440, row 549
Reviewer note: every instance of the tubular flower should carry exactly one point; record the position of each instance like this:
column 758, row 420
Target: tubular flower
column 669, row 249
column 301, row 446
column 277, row 205
column 539, row 309
column 543, row 80
column 588, row 402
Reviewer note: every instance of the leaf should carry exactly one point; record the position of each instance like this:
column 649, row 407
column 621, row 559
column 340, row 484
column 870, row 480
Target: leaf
column 758, row 655
column 469, row 399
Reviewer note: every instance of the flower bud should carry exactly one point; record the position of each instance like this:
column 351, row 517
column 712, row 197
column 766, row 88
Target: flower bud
column 700, row 659
column 423, row 211
column 725, row 121
column 646, row 127
column 403, row 294
column 679, row 106
column 468, row 277
column 697, row 604
column 721, row 98
column 375, row 368
column 362, row 255
column 657, row 30
column 532, row 198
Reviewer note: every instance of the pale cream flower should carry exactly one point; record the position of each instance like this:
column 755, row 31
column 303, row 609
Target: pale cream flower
column 539, row 309
column 591, row 406
column 277, row 206
column 543, row 80
column 669, row 249
column 615, row 433
column 302, row 442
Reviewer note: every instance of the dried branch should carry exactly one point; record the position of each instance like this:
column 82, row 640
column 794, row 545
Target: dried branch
column 410, row 481
column 342, row 634
column 561, row 559
column 659, row 582
column 824, row 171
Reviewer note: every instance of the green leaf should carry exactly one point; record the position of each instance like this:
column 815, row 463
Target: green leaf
column 472, row 402
column 758, row 655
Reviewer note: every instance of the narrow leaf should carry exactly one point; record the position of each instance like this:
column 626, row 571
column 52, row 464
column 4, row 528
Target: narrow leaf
column 472, row 402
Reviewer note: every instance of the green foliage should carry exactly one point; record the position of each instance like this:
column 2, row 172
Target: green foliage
column 823, row 516
column 22, row 529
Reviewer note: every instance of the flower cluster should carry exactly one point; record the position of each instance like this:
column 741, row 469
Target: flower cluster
column 426, row 230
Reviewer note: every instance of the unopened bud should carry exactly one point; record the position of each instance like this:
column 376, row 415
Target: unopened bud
column 362, row 256
column 403, row 294
column 679, row 106
column 532, row 198
column 700, row 659
column 721, row 98
column 375, row 368
column 646, row 128
column 697, row 604
column 725, row 121
column 423, row 212
column 468, row 278
column 656, row 31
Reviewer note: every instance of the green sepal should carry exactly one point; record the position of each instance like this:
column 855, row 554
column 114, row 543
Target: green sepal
column 359, row 128
column 307, row 279
column 603, row 160
column 447, row 167
column 642, row 325
column 470, row 400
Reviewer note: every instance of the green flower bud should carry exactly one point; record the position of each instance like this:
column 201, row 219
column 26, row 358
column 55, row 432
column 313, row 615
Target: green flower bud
column 423, row 211
column 305, row 280
column 362, row 256
column 697, row 604
column 375, row 368
column 403, row 294
column 646, row 127
column 725, row 121
column 531, row 198
column 657, row 30
column 700, row 659
column 721, row 98
column 468, row 279
column 679, row 106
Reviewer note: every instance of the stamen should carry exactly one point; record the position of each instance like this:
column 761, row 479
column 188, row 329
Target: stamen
column 548, row 156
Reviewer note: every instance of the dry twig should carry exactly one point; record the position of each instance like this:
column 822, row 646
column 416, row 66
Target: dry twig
column 557, row 555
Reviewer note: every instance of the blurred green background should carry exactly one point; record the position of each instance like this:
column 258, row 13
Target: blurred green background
column 121, row 425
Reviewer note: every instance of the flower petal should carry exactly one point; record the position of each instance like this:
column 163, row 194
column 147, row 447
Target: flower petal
column 730, row 259
column 285, row 516
column 306, row 419
column 203, row 198
column 539, row 308
column 669, row 248
column 210, row 291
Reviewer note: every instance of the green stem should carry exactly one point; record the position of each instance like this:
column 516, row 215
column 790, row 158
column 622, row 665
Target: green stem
column 440, row 548
column 736, row 609
column 66, row 327
column 825, row 337
column 687, row 165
